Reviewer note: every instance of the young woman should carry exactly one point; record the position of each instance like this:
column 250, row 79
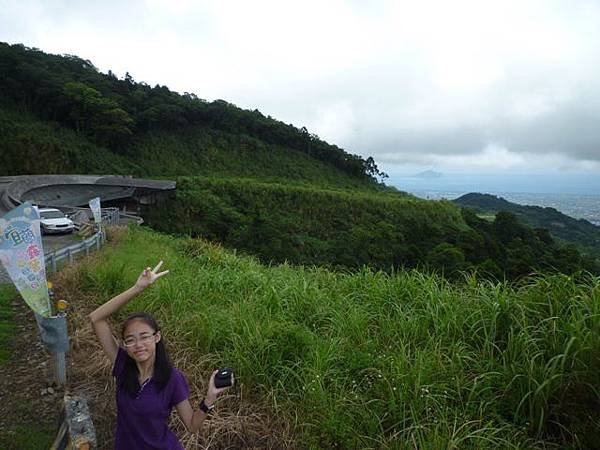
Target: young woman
column 148, row 386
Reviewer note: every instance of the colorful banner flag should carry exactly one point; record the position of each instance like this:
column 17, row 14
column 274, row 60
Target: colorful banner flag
column 22, row 255
column 96, row 209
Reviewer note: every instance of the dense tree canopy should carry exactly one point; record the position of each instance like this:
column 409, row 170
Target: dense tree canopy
column 585, row 235
column 351, row 229
column 273, row 190
column 71, row 91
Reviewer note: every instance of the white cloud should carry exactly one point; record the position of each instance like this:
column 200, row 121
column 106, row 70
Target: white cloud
column 492, row 155
column 491, row 159
column 399, row 80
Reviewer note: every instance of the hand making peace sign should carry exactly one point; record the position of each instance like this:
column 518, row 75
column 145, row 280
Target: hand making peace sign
column 149, row 276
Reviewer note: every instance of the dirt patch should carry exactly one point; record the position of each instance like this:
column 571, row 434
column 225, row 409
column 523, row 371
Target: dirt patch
column 25, row 398
column 240, row 421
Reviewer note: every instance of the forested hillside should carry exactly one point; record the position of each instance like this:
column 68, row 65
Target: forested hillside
column 69, row 91
column 577, row 231
column 349, row 228
column 256, row 184
column 30, row 145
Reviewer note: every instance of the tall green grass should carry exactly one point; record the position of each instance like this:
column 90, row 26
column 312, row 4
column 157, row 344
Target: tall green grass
column 374, row 360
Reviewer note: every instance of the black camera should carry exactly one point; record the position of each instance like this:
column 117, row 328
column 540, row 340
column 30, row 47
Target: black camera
column 224, row 378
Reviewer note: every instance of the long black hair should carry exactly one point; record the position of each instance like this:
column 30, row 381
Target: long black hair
column 163, row 367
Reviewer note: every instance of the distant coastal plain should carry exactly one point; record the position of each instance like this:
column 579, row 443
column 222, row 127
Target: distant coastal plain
column 577, row 195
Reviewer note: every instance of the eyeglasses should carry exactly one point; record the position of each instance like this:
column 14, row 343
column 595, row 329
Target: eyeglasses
column 143, row 339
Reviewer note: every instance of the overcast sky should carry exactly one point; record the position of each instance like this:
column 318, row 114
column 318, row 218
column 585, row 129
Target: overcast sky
column 502, row 86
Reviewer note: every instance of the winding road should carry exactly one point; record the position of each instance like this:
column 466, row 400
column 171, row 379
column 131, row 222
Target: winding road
column 75, row 190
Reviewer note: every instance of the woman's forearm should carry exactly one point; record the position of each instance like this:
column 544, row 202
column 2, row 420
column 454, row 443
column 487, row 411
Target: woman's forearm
column 198, row 416
column 114, row 304
column 197, row 420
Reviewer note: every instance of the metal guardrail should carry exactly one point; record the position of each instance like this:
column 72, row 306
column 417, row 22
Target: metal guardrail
column 69, row 252
column 136, row 219
column 110, row 216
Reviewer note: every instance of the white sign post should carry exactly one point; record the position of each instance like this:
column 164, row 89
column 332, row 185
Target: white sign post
column 96, row 211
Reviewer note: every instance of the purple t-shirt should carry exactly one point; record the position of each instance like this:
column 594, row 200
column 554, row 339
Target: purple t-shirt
column 142, row 421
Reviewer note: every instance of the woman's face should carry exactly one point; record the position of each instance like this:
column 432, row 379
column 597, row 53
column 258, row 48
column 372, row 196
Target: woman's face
column 140, row 340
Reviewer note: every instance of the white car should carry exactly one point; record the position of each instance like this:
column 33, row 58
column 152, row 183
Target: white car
column 54, row 221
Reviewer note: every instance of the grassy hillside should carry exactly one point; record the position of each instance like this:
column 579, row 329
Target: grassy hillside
column 369, row 360
column 577, row 231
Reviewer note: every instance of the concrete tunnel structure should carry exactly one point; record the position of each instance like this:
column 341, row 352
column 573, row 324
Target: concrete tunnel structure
column 64, row 191
column 69, row 191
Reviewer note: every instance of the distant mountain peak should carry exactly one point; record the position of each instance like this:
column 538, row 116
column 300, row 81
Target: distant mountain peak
column 428, row 174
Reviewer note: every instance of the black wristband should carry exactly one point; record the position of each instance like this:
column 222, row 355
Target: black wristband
column 205, row 408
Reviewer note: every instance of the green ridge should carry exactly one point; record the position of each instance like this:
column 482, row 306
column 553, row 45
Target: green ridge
column 351, row 228
column 585, row 235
